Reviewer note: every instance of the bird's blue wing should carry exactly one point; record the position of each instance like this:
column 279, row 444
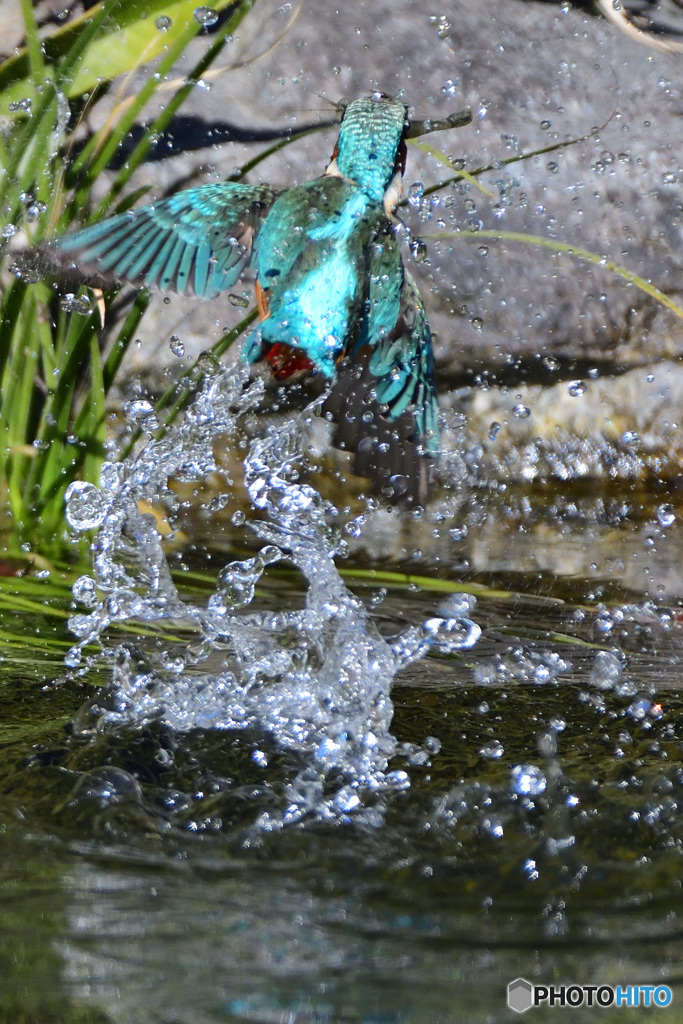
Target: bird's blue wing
column 403, row 363
column 199, row 240
column 384, row 401
column 396, row 330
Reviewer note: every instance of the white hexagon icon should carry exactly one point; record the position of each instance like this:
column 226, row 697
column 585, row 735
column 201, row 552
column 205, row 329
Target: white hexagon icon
column 520, row 995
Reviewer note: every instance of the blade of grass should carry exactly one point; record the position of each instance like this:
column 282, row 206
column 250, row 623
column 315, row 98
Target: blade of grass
column 378, row 577
column 182, row 390
column 19, row 392
column 30, row 146
column 443, row 159
column 101, row 148
column 99, row 45
column 35, row 52
column 124, row 338
column 517, row 158
column 571, row 250
column 57, row 457
column 96, row 432
column 280, row 144
column 162, row 121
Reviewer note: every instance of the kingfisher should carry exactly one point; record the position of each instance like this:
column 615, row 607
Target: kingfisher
column 333, row 295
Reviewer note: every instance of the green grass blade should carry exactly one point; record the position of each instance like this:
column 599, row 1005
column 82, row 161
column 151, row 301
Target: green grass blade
column 571, row 250
column 164, row 118
column 35, row 52
column 32, row 145
column 124, row 338
column 110, row 39
column 99, row 151
column 93, row 409
column 96, row 432
column 18, row 407
column 432, row 151
column 177, row 396
column 280, row 144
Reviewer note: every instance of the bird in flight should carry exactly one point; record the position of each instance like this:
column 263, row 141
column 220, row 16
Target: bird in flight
column 333, row 295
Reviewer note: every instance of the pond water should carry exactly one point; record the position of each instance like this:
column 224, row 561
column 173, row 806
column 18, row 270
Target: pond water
column 320, row 765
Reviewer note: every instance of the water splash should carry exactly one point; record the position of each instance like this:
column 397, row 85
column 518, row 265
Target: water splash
column 317, row 678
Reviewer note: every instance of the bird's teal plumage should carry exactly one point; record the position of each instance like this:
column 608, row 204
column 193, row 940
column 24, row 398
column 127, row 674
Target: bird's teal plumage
column 371, row 134
column 309, row 259
column 199, row 240
column 330, row 275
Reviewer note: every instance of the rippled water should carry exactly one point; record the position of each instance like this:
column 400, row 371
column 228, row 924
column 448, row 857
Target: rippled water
column 278, row 792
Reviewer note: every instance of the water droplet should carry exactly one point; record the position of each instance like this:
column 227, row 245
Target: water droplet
column 450, row 635
column 242, row 300
column 669, row 178
column 666, row 515
column 85, row 505
column 24, row 105
column 73, row 657
column 528, row 780
column 163, row 23
column 576, row 388
column 80, row 304
column 443, row 25
column 553, row 167
column 206, row 16
column 141, row 413
column 418, row 250
column 176, row 346
column 34, row 210
column 521, row 411
column 639, row 708
column 631, row 438
column 493, row 750
column 84, row 591
column 545, row 125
